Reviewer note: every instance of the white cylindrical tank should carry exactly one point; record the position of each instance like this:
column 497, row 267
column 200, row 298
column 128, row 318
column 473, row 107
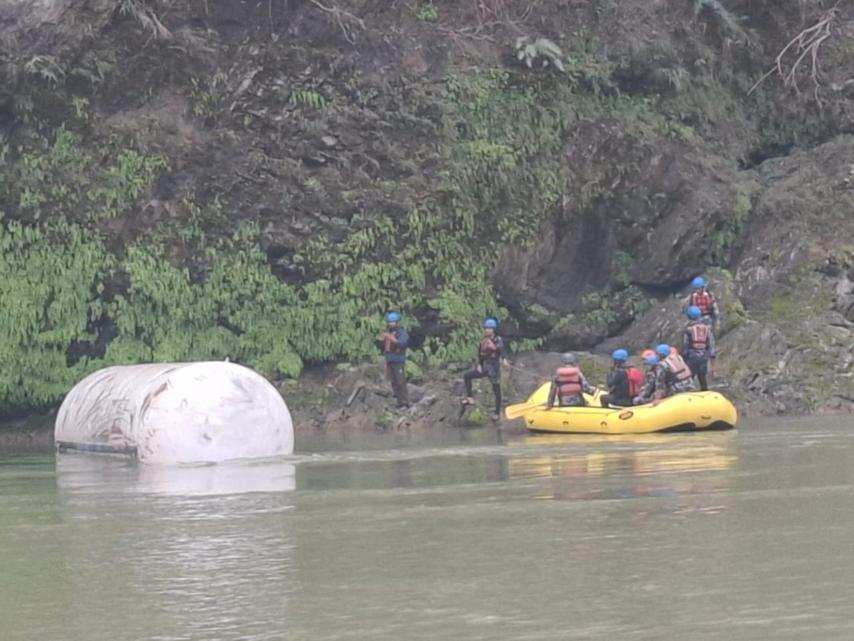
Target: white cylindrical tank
column 176, row 413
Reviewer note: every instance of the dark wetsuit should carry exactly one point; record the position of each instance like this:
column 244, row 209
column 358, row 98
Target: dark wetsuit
column 618, row 388
column 490, row 367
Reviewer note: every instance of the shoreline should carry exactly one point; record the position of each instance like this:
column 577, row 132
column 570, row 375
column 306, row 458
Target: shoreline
column 337, row 403
column 372, row 418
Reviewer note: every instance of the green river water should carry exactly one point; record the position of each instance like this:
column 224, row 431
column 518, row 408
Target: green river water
column 746, row 534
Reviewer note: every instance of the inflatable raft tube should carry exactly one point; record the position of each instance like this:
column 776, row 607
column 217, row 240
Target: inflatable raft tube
column 687, row 411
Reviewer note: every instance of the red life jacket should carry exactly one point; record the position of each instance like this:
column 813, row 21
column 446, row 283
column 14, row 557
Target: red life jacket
column 488, row 348
column 635, row 378
column 678, row 367
column 568, row 381
column 703, row 301
column 699, row 336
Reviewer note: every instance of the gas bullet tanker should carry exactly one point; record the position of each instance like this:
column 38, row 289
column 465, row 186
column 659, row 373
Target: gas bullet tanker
column 176, row 413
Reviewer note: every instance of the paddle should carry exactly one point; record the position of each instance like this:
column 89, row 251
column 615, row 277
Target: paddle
column 520, row 409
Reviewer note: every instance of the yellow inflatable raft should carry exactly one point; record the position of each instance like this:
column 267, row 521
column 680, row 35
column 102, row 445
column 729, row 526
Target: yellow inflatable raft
column 683, row 412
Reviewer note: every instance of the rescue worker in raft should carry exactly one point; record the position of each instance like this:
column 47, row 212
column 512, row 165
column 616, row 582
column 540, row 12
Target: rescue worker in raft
column 569, row 383
column 698, row 345
column 674, row 375
column 704, row 300
column 667, row 374
column 393, row 342
column 624, row 381
column 490, row 356
column 651, row 365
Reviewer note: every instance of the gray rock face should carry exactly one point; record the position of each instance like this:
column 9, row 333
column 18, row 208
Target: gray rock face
column 50, row 27
column 653, row 222
column 805, row 209
column 55, row 29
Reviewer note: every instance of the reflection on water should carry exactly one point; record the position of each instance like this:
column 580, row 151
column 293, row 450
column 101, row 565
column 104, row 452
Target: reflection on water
column 85, row 472
column 710, row 537
column 629, row 458
column 657, row 455
column 149, row 552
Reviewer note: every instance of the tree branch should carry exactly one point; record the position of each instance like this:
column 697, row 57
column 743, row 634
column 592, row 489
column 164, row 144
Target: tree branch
column 805, row 45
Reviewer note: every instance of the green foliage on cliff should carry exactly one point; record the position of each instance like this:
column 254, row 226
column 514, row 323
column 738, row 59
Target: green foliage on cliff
column 50, row 292
column 234, row 308
column 180, row 295
column 60, row 177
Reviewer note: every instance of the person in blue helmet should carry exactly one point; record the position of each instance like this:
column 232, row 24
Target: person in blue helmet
column 490, row 356
column 624, row 381
column 698, row 345
column 651, row 378
column 701, row 298
column 393, row 342
column 674, row 375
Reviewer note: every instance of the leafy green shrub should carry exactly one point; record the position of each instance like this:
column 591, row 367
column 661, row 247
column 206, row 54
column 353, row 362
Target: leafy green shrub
column 309, row 98
column 235, row 312
column 207, row 96
column 50, row 292
column 239, row 310
column 62, row 179
column 427, row 12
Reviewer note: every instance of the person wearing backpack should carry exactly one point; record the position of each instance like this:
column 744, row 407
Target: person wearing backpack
column 698, row 345
column 624, row 381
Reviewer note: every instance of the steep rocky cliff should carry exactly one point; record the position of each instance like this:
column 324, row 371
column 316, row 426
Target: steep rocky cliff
column 260, row 180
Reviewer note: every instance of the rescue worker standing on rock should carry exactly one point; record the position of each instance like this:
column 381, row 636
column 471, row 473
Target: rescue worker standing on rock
column 702, row 299
column 624, row 381
column 569, row 383
column 698, row 345
column 490, row 355
column 674, row 375
column 393, row 342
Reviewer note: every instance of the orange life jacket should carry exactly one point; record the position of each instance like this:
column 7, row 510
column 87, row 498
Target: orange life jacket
column 703, row 301
column 488, row 348
column 678, row 367
column 699, row 336
column 635, row 378
column 390, row 345
column 568, row 381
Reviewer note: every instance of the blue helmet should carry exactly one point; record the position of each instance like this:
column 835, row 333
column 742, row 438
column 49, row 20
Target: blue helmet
column 392, row 317
column 490, row 323
column 620, row 355
column 663, row 350
column 651, row 359
column 693, row 312
column 699, row 282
